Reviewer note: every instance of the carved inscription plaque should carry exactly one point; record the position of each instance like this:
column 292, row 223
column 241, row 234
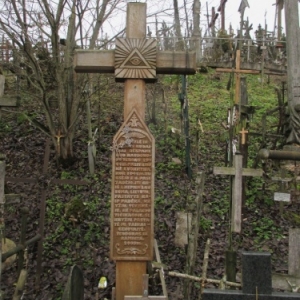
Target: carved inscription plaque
column 132, row 191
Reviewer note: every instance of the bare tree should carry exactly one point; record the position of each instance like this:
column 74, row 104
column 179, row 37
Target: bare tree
column 50, row 69
column 177, row 26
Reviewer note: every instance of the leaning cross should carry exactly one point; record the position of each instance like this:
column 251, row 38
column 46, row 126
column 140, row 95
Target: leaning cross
column 135, row 60
column 237, row 171
column 145, row 295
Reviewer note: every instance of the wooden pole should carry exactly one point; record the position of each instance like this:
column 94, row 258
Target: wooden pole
column 293, row 58
column 294, row 252
column 196, row 207
column 230, row 265
column 129, row 274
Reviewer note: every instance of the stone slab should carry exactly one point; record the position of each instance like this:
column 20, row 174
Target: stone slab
column 256, row 273
column 74, row 289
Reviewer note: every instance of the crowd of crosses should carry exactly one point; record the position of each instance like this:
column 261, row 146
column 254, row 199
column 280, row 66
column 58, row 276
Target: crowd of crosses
column 136, row 61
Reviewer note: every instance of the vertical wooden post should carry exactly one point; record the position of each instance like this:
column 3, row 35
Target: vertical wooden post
column 230, row 261
column 293, row 71
column 237, row 172
column 243, row 145
column 294, row 252
column 196, row 207
column 221, row 9
column 236, row 213
column 238, row 77
column 279, row 5
column 129, row 274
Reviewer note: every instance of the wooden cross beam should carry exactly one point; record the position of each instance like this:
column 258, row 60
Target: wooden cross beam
column 45, row 182
column 103, row 61
column 145, row 295
column 238, row 71
column 237, row 171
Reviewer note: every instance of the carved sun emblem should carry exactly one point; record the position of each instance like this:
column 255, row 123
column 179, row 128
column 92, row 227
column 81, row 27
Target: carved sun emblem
column 135, row 58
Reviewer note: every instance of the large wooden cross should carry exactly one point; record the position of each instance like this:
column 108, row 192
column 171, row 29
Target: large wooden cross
column 238, row 71
column 238, row 172
column 135, row 60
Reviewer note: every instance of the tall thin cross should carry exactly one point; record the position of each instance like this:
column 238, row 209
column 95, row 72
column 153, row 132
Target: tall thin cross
column 238, row 172
column 238, row 71
column 136, row 60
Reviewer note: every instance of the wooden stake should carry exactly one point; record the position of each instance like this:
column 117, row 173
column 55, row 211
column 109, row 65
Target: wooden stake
column 294, row 252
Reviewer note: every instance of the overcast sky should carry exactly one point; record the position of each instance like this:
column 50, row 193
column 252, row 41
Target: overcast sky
column 259, row 12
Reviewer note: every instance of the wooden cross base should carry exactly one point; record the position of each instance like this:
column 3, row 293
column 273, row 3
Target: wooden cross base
column 145, row 292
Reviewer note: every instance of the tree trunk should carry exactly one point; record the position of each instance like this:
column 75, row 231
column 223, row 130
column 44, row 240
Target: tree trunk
column 179, row 44
column 19, row 25
column 293, row 58
column 196, row 29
